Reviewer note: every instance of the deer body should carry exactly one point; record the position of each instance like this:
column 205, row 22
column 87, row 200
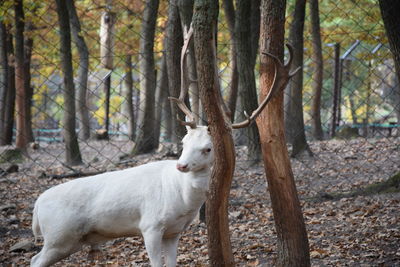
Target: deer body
column 157, row 200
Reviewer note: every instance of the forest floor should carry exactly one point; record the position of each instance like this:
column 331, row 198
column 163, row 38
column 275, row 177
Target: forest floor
column 351, row 231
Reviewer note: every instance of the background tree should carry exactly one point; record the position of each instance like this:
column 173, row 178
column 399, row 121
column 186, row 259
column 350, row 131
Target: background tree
column 6, row 135
column 391, row 21
column 145, row 140
column 28, row 47
column 293, row 248
column 317, row 77
column 245, row 66
column 83, row 70
column 161, row 96
column 107, row 56
column 72, row 152
column 229, row 10
column 128, row 95
column 294, row 121
column 173, row 51
column 3, row 77
column 204, row 24
column 22, row 134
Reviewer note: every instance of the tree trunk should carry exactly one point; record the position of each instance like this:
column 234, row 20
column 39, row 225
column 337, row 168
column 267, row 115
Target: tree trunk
column 72, row 152
column 318, row 74
column 83, row 69
column 219, row 245
column 247, row 83
column 336, row 85
column 21, row 93
column 3, row 78
column 255, row 29
column 161, row 95
column 145, row 140
column 173, row 49
column 293, row 249
column 234, row 81
column 294, row 121
column 128, row 94
column 9, row 107
column 391, row 20
column 106, row 53
column 28, row 46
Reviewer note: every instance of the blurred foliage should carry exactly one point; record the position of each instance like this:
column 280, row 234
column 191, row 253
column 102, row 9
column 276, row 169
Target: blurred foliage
column 342, row 22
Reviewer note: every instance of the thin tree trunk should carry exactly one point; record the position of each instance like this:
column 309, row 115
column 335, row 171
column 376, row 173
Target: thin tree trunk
column 167, row 118
column 318, row 74
column 128, row 93
column 145, row 140
column 83, row 70
column 161, row 95
column 21, row 93
column 28, row 46
column 72, row 152
column 391, row 20
column 173, row 49
column 293, row 248
column 247, row 82
column 294, row 120
column 336, row 79
column 3, row 78
column 219, row 246
column 7, row 135
column 234, row 81
column 255, row 29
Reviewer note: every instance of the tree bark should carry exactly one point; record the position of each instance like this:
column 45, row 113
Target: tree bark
column 173, row 49
column 161, row 95
column 234, row 81
column 28, row 46
column 293, row 248
column 145, row 140
column 128, row 94
column 294, row 121
column 9, row 108
column 247, row 82
column 391, row 21
column 219, row 245
column 3, row 78
column 318, row 73
column 336, row 85
column 72, row 152
column 22, row 136
column 83, row 70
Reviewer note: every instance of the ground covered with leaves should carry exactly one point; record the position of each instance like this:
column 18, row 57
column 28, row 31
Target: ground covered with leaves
column 358, row 230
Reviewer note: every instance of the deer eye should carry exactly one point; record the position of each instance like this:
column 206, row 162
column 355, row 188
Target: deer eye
column 206, row 151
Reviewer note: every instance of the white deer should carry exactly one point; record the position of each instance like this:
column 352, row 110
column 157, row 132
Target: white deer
column 157, row 200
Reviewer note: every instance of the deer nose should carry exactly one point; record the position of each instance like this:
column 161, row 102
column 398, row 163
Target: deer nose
column 182, row 167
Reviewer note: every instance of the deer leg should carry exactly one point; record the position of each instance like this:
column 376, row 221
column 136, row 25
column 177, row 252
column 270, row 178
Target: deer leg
column 152, row 241
column 170, row 246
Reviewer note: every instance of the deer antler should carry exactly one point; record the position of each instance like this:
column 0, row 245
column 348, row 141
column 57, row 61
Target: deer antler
column 281, row 78
column 187, row 34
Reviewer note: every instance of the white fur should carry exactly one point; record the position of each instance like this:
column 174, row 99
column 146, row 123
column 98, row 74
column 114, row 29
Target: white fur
column 154, row 200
